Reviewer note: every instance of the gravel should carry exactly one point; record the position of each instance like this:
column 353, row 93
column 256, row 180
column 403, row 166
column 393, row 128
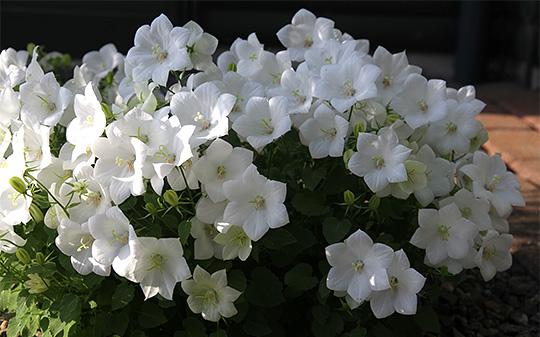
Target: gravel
column 507, row 305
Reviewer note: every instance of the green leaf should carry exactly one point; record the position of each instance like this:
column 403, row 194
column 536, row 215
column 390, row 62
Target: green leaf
column 151, row 315
column 311, row 177
column 70, row 308
column 122, row 296
column 237, row 280
column 194, row 327
column 320, row 313
column 184, row 228
column 335, row 230
column 427, row 319
column 8, row 300
column 265, row 289
column 333, row 326
column 300, row 278
column 310, row 203
column 278, row 238
column 256, row 325
column 322, row 294
column 219, row 333
column 358, row 332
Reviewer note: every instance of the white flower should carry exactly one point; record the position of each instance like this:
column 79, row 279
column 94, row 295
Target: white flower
column 221, row 163
column 444, row 233
column 358, row 266
column 345, row 84
column 466, row 94
column 421, row 101
column 159, row 48
column 184, row 174
column 493, row 182
column 103, row 61
column 12, row 67
column 204, row 234
column 240, row 49
column 405, row 283
column 157, row 264
column 256, row 203
column 209, row 295
column 111, row 233
column 235, row 243
column 206, row 108
column 379, row 159
column 305, row 31
column 11, row 106
column 89, row 123
column 265, row 67
column 455, row 131
column 494, row 254
column 331, row 52
column 45, row 99
column 263, row 121
column 325, row 132
column 472, row 208
column 76, row 241
column 10, row 240
column 298, row 87
column 200, row 46
column 395, row 69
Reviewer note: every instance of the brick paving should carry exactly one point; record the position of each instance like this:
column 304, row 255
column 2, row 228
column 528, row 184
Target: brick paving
column 512, row 120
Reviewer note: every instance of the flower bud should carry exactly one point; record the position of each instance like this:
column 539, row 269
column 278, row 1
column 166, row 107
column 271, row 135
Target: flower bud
column 17, row 184
column 171, row 197
column 374, row 202
column 347, row 156
column 36, row 213
column 107, row 111
column 40, row 258
column 392, row 118
column 358, row 127
column 36, row 284
column 150, row 208
column 348, row 196
column 232, row 67
column 23, row 255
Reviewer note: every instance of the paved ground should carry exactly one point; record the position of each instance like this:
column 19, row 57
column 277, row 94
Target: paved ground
column 512, row 120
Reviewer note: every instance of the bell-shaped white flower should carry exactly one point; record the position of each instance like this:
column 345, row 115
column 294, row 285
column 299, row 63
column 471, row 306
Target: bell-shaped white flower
column 466, row 94
column 209, row 295
column 494, row 254
column 331, row 52
column 472, row 208
column 12, row 67
column 111, row 234
column 184, row 176
column 235, row 243
column 206, row 108
column 200, row 46
column 491, row 181
column 379, row 159
column 345, row 84
column 255, row 203
column 159, row 48
column 444, row 233
column 325, row 132
column 395, row 69
column 305, row 31
column 421, row 101
column 405, row 283
column 298, row 87
column 221, row 163
column 11, row 106
column 10, row 240
column 157, row 264
column 204, row 234
column 103, row 61
column 263, row 121
column 358, row 266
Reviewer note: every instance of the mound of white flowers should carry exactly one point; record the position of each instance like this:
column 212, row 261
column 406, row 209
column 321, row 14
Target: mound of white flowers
column 158, row 119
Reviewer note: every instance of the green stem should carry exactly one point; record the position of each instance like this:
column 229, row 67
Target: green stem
column 49, row 192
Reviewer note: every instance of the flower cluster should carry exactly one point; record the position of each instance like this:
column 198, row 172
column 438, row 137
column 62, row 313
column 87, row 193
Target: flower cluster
column 165, row 120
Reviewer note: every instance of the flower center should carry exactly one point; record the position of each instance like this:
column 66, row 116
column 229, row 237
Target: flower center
column 209, row 229
column 490, row 254
column 166, row 157
column 349, row 90
column 494, row 181
column 379, row 162
column 123, row 239
column 358, row 266
column 129, row 162
column 210, row 297
column 160, row 54
column 80, row 187
column 258, row 203
column 423, row 105
column 158, row 260
column 49, row 107
column 393, row 283
column 86, row 244
column 308, row 42
column 266, row 126
column 240, row 238
column 94, row 198
column 299, row 98
column 329, row 132
column 443, row 232
column 204, row 123
column 451, row 128
column 466, row 212
column 221, row 172
column 387, row 81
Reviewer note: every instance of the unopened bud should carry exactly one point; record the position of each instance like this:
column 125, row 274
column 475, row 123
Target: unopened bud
column 40, row 258
column 17, row 184
column 374, row 202
column 232, row 67
column 347, row 156
column 36, row 213
column 171, row 197
column 358, row 127
column 150, row 208
column 23, row 255
column 107, row 111
column 348, row 196
column 392, row 118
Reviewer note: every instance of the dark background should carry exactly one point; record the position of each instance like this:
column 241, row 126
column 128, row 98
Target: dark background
column 486, row 40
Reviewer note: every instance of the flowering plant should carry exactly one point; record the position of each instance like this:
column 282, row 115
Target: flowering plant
column 315, row 191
